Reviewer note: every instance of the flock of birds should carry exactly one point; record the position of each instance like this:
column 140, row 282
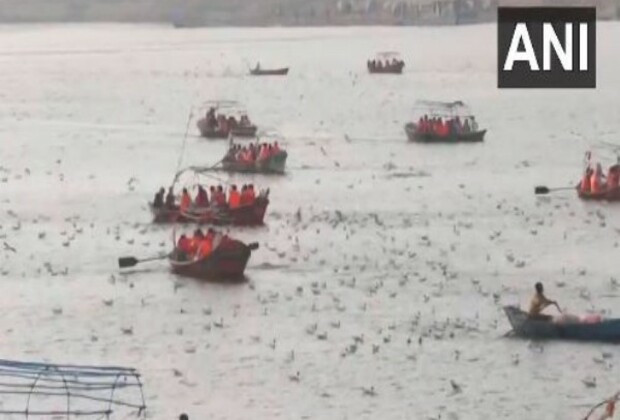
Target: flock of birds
column 367, row 261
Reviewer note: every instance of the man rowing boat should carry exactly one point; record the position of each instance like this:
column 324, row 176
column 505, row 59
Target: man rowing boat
column 539, row 303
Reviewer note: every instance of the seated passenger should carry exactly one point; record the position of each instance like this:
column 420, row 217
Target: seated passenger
column 613, row 177
column 170, row 199
column 585, row 181
column 251, row 194
column 158, row 202
column 596, row 180
column 202, row 199
column 243, row 200
column 186, row 201
column 234, row 199
column 539, row 303
column 220, row 198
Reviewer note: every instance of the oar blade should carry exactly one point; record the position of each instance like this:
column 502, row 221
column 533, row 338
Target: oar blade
column 125, row 262
column 541, row 190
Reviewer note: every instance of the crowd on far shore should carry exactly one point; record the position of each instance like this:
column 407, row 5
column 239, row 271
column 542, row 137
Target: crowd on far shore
column 449, row 127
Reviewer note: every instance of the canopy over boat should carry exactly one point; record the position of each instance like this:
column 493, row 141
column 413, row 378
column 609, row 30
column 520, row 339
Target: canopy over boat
column 443, row 109
column 385, row 55
column 46, row 390
column 226, row 106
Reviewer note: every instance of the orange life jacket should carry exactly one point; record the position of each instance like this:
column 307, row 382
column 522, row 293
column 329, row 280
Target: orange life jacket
column 193, row 244
column 204, row 248
column 595, row 183
column 585, row 183
column 186, row 201
column 234, row 199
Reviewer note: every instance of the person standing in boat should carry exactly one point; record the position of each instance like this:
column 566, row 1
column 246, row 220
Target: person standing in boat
column 539, row 303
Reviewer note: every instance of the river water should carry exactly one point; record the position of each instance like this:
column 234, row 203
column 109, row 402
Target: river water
column 411, row 248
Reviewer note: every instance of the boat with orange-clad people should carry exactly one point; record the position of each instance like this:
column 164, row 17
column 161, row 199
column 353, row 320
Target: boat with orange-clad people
column 386, row 63
column 225, row 118
column 597, row 185
column 243, row 206
column 210, row 256
column 259, row 157
column 444, row 122
column 213, row 255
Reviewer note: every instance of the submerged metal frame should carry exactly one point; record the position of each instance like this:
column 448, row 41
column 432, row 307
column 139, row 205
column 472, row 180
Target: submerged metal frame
column 77, row 382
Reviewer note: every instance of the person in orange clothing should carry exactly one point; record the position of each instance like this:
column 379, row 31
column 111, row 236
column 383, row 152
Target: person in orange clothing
column 194, row 243
column 204, row 248
column 206, row 245
column 244, row 196
column 251, row 194
column 596, row 180
column 186, row 201
column 183, row 247
column 234, row 198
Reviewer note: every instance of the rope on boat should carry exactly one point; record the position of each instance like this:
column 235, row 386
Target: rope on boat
column 180, row 161
column 611, row 405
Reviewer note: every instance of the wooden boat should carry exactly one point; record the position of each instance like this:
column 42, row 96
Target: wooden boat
column 275, row 164
column 524, row 326
column 227, row 261
column 227, row 108
column 267, row 72
column 446, row 111
column 470, row 137
column 394, row 64
column 252, row 215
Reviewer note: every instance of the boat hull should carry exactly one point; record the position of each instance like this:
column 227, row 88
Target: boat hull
column 274, row 165
column 398, row 69
column 524, row 326
column 415, row 136
column 274, row 72
column 207, row 132
column 253, row 215
column 228, row 261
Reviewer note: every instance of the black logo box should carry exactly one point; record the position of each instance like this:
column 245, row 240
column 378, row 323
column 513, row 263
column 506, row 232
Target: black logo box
column 521, row 76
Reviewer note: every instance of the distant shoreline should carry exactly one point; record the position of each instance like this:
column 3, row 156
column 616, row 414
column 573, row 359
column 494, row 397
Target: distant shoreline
column 267, row 13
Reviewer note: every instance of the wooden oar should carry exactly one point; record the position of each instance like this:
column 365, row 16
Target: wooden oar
column 125, row 262
column 541, row 189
